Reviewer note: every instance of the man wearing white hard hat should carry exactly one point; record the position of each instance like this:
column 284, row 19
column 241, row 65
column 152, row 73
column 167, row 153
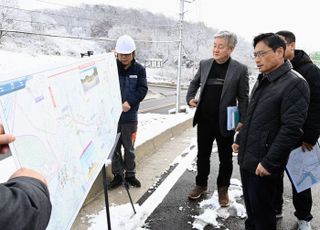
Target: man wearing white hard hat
column 133, row 85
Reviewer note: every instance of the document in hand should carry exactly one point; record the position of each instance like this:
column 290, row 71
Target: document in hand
column 232, row 117
column 304, row 168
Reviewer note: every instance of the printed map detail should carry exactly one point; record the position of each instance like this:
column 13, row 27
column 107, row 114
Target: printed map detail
column 304, row 168
column 65, row 123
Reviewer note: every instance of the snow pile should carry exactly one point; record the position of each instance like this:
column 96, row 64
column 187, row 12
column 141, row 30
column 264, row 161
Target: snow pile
column 212, row 210
column 151, row 125
column 122, row 217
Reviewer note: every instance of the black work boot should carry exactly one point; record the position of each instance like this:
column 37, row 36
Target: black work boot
column 133, row 181
column 116, row 182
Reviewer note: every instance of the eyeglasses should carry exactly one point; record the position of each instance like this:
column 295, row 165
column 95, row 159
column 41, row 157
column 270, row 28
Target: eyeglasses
column 219, row 47
column 260, row 54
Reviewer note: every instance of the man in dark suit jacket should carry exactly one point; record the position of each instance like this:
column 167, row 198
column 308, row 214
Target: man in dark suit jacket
column 223, row 82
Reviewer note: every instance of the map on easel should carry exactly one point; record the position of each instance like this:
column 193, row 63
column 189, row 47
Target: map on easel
column 65, row 121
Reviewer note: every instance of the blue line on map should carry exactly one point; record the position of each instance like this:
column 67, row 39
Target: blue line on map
column 13, row 85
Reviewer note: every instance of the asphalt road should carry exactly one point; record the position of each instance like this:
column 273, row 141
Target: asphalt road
column 176, row 211
column 162, row 100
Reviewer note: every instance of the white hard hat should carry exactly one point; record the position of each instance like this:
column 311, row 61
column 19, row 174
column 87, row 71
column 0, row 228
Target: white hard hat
column 125, row 45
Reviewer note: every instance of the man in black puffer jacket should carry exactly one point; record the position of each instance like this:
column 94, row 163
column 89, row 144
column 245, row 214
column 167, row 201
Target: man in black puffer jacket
column 302, row 64
column 276, row 115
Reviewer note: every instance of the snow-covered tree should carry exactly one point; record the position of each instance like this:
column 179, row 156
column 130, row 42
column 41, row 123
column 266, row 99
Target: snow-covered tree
column 7, row 22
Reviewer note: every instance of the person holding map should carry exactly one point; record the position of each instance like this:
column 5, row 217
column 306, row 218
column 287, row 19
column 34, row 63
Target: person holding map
column 302, row 63
column 276, row 114
column 133, row 86
column 25, row 201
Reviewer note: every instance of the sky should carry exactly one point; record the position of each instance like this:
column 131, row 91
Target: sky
column 247, row 18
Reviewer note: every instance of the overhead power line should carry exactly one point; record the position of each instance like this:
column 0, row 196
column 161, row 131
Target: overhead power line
column 82, row 38
column 59, row 4
column 43, row 23
column 56, row 36
column 49, row 24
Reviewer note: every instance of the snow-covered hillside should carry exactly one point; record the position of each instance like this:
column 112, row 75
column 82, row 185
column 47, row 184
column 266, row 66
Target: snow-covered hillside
column 100, row 25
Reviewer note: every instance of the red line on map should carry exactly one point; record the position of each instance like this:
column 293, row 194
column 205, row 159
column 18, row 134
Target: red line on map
column 87, row 65
column 52, row 97
column 85, row 149
column 65, row 71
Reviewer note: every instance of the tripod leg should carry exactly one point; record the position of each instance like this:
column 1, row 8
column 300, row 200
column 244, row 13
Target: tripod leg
column 126, row 185
column 106, row 199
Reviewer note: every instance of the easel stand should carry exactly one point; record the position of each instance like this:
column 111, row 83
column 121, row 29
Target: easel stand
column 105, row 184
column 106, row 199
column 126, row 185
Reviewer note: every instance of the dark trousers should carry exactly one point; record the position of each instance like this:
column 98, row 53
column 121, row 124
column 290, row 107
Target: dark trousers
column 127, row 139
column 207, row 132
column 258, row 194
column 302, row 201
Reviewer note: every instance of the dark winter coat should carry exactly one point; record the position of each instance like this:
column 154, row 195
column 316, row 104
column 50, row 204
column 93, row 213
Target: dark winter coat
column 25, row 204
column 133, row 86
column 309, row 71
column 234, row 92
column 276, row 114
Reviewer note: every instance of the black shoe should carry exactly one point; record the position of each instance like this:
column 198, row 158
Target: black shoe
column 133, row 181
column 116, row 182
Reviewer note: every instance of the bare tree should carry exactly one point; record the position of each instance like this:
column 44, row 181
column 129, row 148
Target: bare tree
column 6, row 21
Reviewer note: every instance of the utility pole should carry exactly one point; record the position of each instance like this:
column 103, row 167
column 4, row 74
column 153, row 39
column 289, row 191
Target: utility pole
column 179, row 56
column 180, row 53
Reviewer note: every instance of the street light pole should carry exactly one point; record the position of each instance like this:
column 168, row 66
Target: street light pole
column 179, row 56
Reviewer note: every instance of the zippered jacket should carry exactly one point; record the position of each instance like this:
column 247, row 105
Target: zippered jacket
column 133, row 86
column 276, row 114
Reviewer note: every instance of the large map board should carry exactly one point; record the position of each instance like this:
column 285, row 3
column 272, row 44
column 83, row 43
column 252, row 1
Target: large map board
column 65, row 123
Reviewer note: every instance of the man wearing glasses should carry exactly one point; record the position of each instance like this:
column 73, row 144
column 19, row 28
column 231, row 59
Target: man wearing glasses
column 276, row 113
column 223, row 82
column 302, row 64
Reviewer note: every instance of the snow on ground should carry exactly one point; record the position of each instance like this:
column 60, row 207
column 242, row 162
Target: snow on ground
column 151, row 125
column 123, row 217
column 120, row 221
column 212, row 210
